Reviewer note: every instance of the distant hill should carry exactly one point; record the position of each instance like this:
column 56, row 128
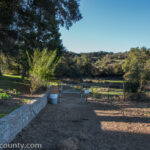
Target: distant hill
column 93, row 64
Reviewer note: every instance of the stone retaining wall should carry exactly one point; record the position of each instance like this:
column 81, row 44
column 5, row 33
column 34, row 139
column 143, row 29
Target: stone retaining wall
column 12, row 124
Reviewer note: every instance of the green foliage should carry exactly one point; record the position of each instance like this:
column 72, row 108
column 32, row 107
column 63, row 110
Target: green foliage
column 35, row 24
column 37, row 84
column 9, row 64
column 13, row 85
column 10, row 77
column 25, row 101
column 111, row 65
column 32, row 24
column 42, row 65
column 90, row 64
column 146, row 72
column 101, row 92
column 67, row 68
column 16, row 92
column 137, row 69
column 1, row 90
column 135, row 63
column 4, row 95
column 8, row 8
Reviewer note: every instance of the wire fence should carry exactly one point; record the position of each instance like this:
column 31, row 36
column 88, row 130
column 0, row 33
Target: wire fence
column 109, row 91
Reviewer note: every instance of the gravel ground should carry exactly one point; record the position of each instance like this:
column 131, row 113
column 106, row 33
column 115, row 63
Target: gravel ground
column 96, row 125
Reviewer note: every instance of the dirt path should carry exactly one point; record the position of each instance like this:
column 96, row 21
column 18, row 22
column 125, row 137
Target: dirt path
column 75, row 125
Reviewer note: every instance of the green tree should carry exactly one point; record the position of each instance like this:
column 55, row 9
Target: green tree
column 136, row 67
column 67, row 67
column 31, row 24
column 38, row 22
column 8, row 35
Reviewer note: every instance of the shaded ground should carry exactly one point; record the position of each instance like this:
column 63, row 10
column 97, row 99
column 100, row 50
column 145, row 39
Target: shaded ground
column 9, row 84
column 97, row 125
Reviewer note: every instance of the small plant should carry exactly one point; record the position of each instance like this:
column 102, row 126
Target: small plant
column 16, row 92
column 4, row 95
column 2, row 115
column 25, row 101
column 1, row 90
column 37, row 84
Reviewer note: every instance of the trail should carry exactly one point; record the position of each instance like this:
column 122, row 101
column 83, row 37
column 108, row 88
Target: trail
column 76, row 125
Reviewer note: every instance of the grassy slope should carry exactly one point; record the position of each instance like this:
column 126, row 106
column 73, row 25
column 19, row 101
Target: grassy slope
column 10, row 82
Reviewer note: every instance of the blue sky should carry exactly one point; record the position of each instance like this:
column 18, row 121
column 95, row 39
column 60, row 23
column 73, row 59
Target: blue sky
column 109, row 25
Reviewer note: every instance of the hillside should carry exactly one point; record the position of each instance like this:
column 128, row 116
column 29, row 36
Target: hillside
column 93, row 64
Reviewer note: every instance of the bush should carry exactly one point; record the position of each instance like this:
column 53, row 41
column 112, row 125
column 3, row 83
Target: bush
column 137, row 96
column 37, row 84
column 42, row 65
column 4, row 95
column 16, row 92
column 132, row 87
column 133, row 91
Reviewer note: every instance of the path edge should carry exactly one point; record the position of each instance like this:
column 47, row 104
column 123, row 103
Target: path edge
column 12, row 124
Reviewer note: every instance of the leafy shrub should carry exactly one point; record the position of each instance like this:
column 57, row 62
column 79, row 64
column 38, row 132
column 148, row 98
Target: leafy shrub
column 37, row 84
column 4, row 95
column 1, row 90
column 16, row 92
column 42, row 65
column 137, row 71
column 132, row 91
column 25, row 101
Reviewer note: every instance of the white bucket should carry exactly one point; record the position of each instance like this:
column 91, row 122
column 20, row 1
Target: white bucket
column 53, row 98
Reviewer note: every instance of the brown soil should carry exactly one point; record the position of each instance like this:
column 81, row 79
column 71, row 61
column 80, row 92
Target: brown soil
column 96, row 125
column 8, row 105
